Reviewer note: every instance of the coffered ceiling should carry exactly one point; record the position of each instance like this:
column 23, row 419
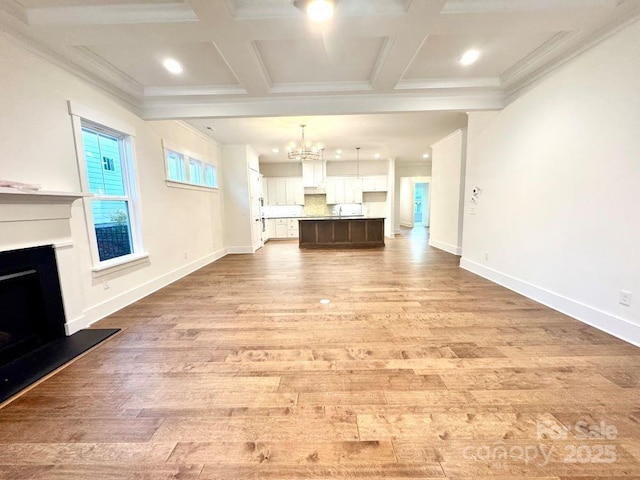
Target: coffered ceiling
column 264, row 58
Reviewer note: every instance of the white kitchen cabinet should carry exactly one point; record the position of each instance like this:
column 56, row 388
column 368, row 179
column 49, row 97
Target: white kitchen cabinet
column 374, row 183
column 343, row 190
column 292, row 228
column 294, row 191
column 312, row 173
column 352, row 191
column 282, row 228
column 270, row 224
column 284, row 191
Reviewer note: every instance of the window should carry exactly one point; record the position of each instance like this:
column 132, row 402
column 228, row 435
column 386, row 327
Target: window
column 185, row 170
column 211, row 176
column 195, row 172
column 176, row 170
column 109, row 177
column 107, row 164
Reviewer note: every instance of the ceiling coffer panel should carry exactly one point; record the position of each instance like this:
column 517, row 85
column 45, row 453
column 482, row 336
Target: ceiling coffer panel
column 287, row 8
column 319, row 60
column 438, row 57
column 202, row 63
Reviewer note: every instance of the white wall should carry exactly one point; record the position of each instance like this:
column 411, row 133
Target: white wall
column 37, row 146
column 290, row 169
column 237, row 160
column 560, row 173
column 407, row 196
column 447, row 190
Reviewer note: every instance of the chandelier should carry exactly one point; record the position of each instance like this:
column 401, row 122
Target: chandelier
column 305, row 151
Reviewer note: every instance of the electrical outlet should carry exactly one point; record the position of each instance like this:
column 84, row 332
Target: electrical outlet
column 625, row 298
column 186, row 255
column 106, row 285
column 486, row 256
column 472, row 210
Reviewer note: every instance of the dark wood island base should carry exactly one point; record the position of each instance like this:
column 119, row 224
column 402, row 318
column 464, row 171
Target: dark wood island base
column 341, row 232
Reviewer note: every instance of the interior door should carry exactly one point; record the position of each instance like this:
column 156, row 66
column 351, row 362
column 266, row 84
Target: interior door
column 255, row 190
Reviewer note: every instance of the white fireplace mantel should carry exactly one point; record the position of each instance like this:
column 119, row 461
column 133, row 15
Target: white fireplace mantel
column 36, row 218
column 22, row 206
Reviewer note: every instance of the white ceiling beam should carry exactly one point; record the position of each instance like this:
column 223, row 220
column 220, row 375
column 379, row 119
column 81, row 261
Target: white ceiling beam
column 234, row 46
column 111, row 14
column 321, row 105
column 498, row 6
column 400, row 50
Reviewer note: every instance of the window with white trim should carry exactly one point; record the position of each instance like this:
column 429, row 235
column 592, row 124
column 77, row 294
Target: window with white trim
column 188, row 171
column 107, row 158
column 211, row 176
column 195, row 172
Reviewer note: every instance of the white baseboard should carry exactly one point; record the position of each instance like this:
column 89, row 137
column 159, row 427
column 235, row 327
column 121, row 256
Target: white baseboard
column 239, row 250
column 446, row 247
column 406, row 225
column 104, row 309
column 607, row 322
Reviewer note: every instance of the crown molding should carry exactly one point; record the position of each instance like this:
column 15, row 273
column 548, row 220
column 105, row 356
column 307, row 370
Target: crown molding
column 111, row 14
column 320, row 105
column 207, row 90
column 446, row 83
column 98, row 66
column 195, row 131
column 281, row 88
column 532, row 70
column 127, row 100
column 504, row 6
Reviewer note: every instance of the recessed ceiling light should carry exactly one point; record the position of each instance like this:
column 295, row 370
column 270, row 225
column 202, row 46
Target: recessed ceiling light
column 377, row 155
column 172, row 66
column 276, row 150
column 339, row 152
column 325, row 301
column 426, row 155
column 338, row 157
column 470, row 57
column 320, row 10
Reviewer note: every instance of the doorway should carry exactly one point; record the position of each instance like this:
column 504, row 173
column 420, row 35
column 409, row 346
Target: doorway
column 421, row 205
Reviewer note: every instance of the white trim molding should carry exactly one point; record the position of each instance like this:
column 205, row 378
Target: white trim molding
column 607, row 322
column 446, row 247
column 240, row 250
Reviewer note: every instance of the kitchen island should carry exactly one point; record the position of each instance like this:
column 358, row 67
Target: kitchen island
column 341, row 232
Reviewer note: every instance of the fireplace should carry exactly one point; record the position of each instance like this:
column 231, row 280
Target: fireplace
column 31, row 309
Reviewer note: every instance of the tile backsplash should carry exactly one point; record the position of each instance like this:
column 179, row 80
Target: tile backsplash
column 316, row 206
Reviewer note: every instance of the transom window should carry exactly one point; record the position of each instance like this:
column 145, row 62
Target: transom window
column 188, row 170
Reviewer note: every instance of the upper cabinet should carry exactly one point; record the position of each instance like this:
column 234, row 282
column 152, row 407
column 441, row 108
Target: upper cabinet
column 343, row 190
column 312, row 173
column 283, row 191
column 374, row 183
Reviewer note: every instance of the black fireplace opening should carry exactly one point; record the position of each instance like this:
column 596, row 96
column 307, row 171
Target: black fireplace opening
column 31, row 309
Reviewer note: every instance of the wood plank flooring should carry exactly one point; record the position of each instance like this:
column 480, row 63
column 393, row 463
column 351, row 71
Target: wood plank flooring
column 416, row 369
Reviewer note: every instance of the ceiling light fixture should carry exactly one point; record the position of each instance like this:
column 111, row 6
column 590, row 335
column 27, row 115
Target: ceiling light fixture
column 470, row 57
column 317, row 10
column 304, row 151
column 276, row 150
column 377, row 155
column 339, row 152
column 172, row 66
column 425, row 156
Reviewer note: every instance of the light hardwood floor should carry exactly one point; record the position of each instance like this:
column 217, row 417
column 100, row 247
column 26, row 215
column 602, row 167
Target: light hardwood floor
column 417, row 369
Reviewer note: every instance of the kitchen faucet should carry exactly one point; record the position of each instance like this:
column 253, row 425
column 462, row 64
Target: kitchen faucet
column 339, row 211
